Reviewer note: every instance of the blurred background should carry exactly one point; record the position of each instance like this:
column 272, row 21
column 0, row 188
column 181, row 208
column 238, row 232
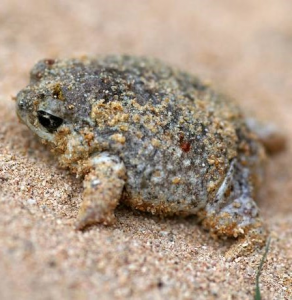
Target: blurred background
column 240, row 45
column 243, row 47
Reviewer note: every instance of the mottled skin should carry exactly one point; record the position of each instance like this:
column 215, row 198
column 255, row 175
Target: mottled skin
column 151, row 136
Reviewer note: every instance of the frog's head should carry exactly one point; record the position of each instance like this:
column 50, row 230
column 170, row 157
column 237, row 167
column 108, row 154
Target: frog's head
column 40, row 112
column 55, row 99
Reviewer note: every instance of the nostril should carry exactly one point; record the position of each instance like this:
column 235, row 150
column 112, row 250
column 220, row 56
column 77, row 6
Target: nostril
column 21, row 105
column 41, row 96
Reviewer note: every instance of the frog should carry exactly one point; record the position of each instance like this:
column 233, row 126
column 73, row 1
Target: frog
column 150, row 136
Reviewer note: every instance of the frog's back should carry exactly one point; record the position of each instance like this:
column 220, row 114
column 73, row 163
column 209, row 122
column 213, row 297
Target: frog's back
column 175, row 135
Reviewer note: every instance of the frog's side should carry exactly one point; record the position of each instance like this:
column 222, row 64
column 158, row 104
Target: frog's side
column 156, row 138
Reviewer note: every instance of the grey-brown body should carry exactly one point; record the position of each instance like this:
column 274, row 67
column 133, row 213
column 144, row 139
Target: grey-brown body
column 149, row 135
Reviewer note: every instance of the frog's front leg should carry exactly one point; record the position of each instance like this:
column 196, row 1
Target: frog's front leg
column 103, row 187
column 234, row 213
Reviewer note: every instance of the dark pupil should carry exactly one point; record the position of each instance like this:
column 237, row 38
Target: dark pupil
column 50, row 122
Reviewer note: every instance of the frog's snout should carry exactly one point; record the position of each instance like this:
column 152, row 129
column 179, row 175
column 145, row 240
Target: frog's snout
column 20, row 108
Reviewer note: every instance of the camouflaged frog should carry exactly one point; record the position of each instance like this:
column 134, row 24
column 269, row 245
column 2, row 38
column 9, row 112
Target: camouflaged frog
column 150, row 136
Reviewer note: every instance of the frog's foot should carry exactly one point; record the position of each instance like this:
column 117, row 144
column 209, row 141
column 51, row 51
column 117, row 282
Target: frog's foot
column 238, row 220
column 103, row 187
column 234, row 213
column 90, row 214
column 254, row 239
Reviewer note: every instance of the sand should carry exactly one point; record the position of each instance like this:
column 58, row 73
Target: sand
column 244, row 48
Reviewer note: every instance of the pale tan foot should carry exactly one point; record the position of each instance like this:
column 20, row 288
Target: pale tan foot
column 103, row 187
column 235, row 214
column 254, row 239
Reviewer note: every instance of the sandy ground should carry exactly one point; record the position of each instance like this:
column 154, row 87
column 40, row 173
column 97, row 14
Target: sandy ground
column 244, row 47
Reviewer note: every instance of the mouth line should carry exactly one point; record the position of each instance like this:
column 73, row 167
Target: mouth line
column 44, row 135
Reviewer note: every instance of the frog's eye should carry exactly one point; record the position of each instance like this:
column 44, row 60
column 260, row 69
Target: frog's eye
column 49, row 121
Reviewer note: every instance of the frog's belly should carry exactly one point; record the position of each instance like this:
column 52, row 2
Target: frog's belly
column 164, row 180
column 171, row 195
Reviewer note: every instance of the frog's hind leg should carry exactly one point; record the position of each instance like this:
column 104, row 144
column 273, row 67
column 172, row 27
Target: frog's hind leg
column 103, row 187
column 234, row 213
